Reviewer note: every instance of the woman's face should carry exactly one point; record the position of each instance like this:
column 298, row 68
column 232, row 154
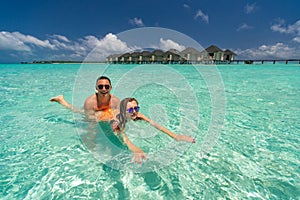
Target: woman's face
column 132, row 110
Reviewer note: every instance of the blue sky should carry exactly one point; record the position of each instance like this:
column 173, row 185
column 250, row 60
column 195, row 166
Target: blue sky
column 70, row 29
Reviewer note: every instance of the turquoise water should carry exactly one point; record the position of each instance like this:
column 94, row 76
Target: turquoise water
column 246, row 117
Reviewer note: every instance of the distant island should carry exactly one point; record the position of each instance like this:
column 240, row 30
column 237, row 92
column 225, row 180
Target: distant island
column 59, row 62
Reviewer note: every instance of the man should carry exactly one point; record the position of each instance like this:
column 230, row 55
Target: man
column 101, row 106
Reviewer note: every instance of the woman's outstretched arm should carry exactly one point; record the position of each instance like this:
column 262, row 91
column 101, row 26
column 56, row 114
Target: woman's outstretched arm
column 138, row 154
column 166, row 131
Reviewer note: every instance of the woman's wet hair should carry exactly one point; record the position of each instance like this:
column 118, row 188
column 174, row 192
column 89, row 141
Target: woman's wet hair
column 123, row 110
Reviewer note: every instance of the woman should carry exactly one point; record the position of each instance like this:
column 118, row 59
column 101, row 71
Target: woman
column 129, row 110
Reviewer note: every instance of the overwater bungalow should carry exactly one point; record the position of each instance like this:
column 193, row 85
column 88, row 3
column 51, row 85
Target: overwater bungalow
column 145, row 57
column 157, row 56
column 113, row 58
column 172, row 56
column 192, row 55
column 126, row 58
column 229, row 55
column 212, row 54
column 135, row 57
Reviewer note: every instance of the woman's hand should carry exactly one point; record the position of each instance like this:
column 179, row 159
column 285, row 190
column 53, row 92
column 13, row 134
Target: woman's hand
column 185, row 138
column 138, row 156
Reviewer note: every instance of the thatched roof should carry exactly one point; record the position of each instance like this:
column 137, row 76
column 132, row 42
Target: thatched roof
column 190, row 50
column 126, row 55
column 174, row 51
column 114, row 55
column 135, row 54
column 158, row 52
column 213, row 49
column 146, row 53
column 229, row 52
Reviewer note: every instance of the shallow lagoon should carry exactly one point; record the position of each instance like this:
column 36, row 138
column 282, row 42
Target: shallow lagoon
column 255, row 155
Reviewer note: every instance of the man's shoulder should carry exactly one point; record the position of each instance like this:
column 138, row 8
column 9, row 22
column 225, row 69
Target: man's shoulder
column 90, row 98
column 115, row 98
column 89, row 101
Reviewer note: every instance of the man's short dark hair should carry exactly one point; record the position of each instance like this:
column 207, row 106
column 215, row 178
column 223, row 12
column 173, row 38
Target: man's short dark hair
column 103, row 77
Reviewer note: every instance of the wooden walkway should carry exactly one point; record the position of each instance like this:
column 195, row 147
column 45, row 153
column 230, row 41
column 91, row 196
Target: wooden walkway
column 266, row 61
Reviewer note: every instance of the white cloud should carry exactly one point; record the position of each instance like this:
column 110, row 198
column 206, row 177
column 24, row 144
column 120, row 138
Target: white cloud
column 100, row 49
column 61, row 38
column 290, row 29
column 61, row 42
column 9, row 42
column 203, row 16
column 244, row 27
column 28, row 39
column 170, row 44
column 296, row 39
column 250, row 8
column 186, row 6
column 20, row 42
column 60, row 47
column 293, row 29
column 136, row 21
column 111, row 43
column 278, row 28
column 277, row 51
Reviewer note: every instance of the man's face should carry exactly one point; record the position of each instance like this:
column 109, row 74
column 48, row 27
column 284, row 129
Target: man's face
column 103, row 86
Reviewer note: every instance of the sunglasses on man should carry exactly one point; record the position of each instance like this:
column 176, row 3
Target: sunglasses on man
column 100, row 87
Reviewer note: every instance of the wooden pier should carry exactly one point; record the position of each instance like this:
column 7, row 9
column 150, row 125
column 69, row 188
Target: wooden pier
column 265, row 61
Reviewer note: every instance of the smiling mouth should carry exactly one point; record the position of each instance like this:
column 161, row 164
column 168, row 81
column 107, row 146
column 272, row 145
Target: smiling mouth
column 133, row 115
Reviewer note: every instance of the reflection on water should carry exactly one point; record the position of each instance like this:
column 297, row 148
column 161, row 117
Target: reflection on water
column 108, row 149
column 101, row 141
